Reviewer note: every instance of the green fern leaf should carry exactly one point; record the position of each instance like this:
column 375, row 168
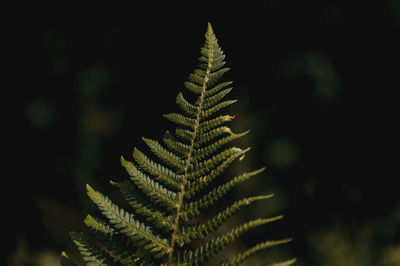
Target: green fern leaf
column 217, row 88
column 216, row 108
column 203, row 253
column 215, row 194
column 167, row 194
column 187, row 107
column 110, row 240
column 99, row 225
column 123, row 221
column 160, row 195
column 90, row 252
column 202, row 181
column 239, row 258
column 213, row 100
column 196, row 89
column 180, row 120
column 160, row 173
column 159, row 219
column 175, row 145
column 213, row 123
column 198, row 231
column 283, row 263
column 208, row 137
column 201, row 153
column 65, row 260
column 166, row 156
column 200, row 168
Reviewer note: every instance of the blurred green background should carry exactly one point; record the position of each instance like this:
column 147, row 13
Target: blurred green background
column 311, row 81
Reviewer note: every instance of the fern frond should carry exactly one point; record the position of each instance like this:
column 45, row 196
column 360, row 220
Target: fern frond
column 213, row 123
column 110, row 241
column 166, row 156
column 198, row 231
column 184, row 134
column 180, row 120
column 160, row 173
column 211, row 135
column 196, row 89
column 123, row 221
column 203, row 253
column 187, row 107
column 159, row 219
column 215, row 76
column 214, row 195
column 196, row 79
column 175, row 145
column 216, row 108
column 200, row 168
column 221, row 190
column 166, row 193
column 202, row 153
column 151, row 188
column 90, row 252
column 213, row 100
column 217, row 88
column 99, row 225
column 197, row 185
column 283, row 263
column 239, row 258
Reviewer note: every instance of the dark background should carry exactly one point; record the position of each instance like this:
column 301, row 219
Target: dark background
column 313, row 82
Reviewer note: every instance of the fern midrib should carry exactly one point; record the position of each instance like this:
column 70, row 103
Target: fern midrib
column 189, row 156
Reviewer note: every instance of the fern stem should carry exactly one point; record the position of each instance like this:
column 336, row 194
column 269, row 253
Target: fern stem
column 191, row 148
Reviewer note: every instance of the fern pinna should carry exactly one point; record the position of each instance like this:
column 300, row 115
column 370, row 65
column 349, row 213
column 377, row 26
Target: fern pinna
column 168, row 194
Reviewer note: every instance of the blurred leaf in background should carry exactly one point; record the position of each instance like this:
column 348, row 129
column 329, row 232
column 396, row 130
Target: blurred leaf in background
column 40, row 113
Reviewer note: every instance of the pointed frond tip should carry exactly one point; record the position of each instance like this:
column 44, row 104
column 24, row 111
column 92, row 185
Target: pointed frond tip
column 284, row 263
column 209, row 27
column 239, row 258
column 65, row 260
column 210, row 36
column 98, row 225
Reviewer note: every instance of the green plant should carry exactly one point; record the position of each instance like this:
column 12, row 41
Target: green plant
column 167, row 195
